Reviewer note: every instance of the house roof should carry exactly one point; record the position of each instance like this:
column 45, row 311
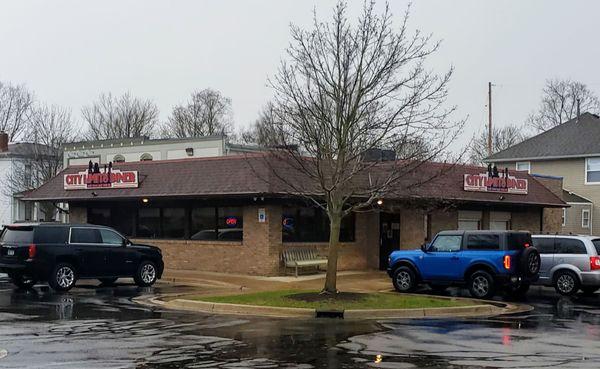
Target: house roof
column 26, row 150
column 570, row 197
column 252, row 174
column 577, row 137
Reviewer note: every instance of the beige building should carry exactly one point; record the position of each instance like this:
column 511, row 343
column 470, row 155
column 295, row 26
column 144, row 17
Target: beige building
column 570, row 151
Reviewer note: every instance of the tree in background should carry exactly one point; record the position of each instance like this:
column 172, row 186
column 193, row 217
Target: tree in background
column 346, row 89
column 49, row 129
column 112, row 117
column 559, row 103
column 207, row 113
column 262, row 131
column 502, row 138
column 15, row 107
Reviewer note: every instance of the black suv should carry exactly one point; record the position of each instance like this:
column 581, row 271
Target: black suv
column 63, row 253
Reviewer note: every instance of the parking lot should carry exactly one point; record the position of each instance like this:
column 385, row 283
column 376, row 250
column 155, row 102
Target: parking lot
column 97, row 327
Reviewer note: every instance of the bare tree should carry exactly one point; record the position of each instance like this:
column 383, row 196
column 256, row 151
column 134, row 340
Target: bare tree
column 502, row 138
column 263, row 132
column 559, row 103
column 207, row 113
column 120, row 117
column 15, row 106
column 345, row 90
column 40, row 159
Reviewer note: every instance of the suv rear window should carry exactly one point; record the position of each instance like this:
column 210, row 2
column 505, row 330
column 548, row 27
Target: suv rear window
column 596, row 243
column 518, row 240
column 483, row 242
column 17, row 235
column 570, row 246
column 51, row 235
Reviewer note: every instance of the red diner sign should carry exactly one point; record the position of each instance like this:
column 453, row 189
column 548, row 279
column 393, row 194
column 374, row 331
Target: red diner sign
column 112, row 179
column 504, row 184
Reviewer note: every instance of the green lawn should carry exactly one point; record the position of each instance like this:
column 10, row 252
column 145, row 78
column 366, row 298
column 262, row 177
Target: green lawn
column 343, row 301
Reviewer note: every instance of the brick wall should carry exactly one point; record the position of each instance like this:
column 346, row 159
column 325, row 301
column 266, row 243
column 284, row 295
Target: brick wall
column 443, row 221
column 413, row 229
column 77, row 214
column 526, row 220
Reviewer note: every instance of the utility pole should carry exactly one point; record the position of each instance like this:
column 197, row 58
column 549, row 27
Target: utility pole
column 489, row 118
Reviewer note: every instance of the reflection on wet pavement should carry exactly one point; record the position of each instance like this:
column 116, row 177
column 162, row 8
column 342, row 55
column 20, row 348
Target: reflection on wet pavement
column 100, row 327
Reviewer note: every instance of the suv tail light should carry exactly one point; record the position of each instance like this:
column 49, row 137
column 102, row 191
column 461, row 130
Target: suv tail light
column 594, row 262
column 32, row 250
column 507, row 262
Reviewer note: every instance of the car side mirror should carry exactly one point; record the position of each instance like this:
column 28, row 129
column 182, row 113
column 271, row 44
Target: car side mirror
column 425, row 247
column 126, row 242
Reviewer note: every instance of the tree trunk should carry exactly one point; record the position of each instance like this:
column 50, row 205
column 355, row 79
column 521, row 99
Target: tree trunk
column 334, row 239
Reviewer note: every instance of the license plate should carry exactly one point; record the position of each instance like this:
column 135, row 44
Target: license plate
column 10, row 252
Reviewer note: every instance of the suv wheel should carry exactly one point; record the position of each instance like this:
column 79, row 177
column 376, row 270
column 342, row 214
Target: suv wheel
column 481, row 285
column 63, row 277
column 404, row 279
column 566, row 283
column 146, row 274
column 23, row 281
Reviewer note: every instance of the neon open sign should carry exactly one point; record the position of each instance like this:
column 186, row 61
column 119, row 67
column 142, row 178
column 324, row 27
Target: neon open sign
column 231, row 221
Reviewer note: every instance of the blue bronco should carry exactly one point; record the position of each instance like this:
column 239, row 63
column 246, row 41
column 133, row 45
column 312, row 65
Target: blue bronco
column 480, row 260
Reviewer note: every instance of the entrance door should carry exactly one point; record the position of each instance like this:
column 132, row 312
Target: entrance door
column 389, row 237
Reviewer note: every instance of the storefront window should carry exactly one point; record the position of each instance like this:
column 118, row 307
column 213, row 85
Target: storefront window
column 309, row 224
column 203, row 224
column 99, row 216
column 230, row 224
column 148, row 223
column 173, row 221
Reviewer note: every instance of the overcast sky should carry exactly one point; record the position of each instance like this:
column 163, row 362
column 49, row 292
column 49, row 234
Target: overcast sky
column 68, row 52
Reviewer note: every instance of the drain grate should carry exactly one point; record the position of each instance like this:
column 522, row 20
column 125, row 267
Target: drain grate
column 339, row 314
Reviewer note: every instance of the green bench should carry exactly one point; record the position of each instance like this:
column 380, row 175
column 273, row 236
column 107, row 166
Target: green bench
column 302, row 258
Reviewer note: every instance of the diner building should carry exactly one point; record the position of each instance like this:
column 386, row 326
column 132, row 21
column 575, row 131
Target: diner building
column 229, row 214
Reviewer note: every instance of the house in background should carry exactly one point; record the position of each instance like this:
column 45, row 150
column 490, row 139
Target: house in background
column 571, row 151
column 14, row 158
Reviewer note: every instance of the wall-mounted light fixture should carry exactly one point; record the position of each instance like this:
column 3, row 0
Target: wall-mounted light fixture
column 380, row 202
column 189, row 151
column 145, row 200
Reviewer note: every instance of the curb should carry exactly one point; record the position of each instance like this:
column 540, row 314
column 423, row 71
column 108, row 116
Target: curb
column 483, row 309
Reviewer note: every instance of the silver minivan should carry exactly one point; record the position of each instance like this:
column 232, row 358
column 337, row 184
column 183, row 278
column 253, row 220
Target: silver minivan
column 569, row 262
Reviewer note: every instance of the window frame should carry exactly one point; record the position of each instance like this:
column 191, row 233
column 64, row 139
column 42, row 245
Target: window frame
column 523, row 162
column 84, row 243
column 585, row 175
column 589, row 220
column 461, row 242
column 564, row 217
column 123, row 238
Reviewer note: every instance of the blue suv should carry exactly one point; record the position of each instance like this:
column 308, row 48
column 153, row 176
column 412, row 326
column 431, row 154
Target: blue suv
column 482, row 261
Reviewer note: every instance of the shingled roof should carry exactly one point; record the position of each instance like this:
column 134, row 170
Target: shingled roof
column 577, row 137
column 249, row 175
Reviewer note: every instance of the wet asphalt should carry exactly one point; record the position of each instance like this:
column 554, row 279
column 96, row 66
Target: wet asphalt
column 101, row 327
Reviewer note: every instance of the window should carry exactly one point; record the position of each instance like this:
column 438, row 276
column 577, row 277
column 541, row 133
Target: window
column 592, row 170
column 99, row 216
column 146, row 157
column 85, row 235
column 110, row 238
column 524, row 166
column 17, row 235
column 202, row 225
column 596, row 243
column 230, row 223
column 173, row 222
column 569, row 246
column 48, row 234
column 446, row 243
column 119, row 159
column 585, row 218
column 311, row 224
column 544, row 245
column 483, row 242
column 148, row 223
column 564, row 217
column 468, row 225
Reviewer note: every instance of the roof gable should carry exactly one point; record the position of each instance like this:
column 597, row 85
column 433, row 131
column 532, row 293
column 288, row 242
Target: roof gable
column 574, row 138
